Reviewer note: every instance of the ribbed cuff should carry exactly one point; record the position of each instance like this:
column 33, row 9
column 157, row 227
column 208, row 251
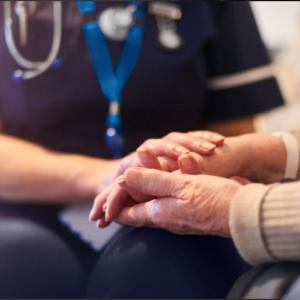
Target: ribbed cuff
column 245, row 224
column 281, row 221
column 292, row 155
column 297, row 136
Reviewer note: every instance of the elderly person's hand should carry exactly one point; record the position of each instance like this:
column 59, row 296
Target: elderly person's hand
column 161, row 154
column 183, row 204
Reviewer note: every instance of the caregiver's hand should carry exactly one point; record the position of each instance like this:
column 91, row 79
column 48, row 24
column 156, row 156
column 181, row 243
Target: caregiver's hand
column 183, row 204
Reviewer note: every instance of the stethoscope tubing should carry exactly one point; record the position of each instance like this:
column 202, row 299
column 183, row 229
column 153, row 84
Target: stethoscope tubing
column 33, row 68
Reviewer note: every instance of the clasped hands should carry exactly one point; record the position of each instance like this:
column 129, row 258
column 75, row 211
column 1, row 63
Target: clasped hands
column 185, row 183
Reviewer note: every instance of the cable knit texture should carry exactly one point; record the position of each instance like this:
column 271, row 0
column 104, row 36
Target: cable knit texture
column 281, row 221
column 245, row 224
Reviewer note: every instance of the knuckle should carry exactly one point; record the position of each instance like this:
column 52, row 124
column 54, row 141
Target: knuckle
column 183, row 182
column 172, row 135
column 149, row 142
column 183, row 228
column 155, row 212
column 158, row 216
column 189, row 189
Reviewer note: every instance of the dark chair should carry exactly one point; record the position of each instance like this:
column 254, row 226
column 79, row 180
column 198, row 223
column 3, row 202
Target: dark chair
column 273, row 281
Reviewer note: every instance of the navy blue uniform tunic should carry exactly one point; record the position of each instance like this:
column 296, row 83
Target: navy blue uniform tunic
column 65, row 109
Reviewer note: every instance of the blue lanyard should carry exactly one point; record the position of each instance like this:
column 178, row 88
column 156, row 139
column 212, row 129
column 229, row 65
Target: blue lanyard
column 112, row 81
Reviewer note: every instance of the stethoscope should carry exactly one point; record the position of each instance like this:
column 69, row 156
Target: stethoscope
column 117, row 23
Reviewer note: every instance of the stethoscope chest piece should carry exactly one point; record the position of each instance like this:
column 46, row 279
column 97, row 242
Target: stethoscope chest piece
column 115, row 22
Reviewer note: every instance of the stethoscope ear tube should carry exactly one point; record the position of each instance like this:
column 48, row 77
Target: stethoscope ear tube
column 32, row 69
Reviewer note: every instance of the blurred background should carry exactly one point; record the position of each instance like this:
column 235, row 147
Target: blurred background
column 279, row 23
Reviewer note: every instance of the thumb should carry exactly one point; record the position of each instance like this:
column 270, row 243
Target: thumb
column 153, row 182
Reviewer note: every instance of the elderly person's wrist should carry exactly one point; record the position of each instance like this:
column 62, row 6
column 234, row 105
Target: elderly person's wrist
column 297, row 137
column 229, row 194
column 264, row 158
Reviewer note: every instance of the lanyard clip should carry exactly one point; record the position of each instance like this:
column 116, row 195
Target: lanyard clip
column 113, row 136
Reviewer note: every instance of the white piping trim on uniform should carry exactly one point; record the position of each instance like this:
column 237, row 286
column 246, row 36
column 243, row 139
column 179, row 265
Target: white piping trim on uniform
column 241, row 78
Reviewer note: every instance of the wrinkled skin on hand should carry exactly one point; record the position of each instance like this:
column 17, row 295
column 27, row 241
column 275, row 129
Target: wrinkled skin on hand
column 180, row 203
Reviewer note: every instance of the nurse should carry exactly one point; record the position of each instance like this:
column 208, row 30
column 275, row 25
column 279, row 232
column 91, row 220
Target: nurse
column 182, row 67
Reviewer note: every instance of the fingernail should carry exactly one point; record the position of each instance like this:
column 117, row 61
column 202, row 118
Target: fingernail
column 181, row 150
column 207, row 146
column 217, row 138
column 100, row 223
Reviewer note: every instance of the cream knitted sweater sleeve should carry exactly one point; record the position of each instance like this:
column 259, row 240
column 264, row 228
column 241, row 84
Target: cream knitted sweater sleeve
column 265, row 221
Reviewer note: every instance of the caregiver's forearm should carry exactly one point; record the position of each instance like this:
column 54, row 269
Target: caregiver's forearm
column 30, row 173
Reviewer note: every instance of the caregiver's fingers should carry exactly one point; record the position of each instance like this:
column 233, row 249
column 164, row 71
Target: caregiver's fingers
column 212, row 137
column 191, row 163
column 147, row 159
column 216, row 165
column 160, row 147
column 151, row 161
column 97, row 210
column 154, row 182
column 194, row 164
column 168, row 164
column 130, row 161
column 196, row 144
